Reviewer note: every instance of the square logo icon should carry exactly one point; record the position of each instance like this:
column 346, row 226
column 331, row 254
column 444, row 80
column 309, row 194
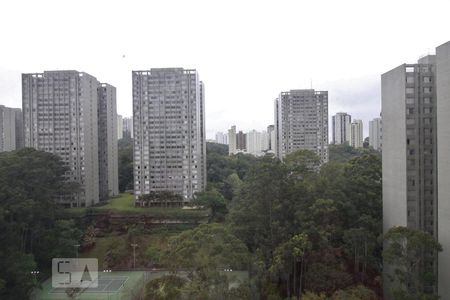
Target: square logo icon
column 74, row 272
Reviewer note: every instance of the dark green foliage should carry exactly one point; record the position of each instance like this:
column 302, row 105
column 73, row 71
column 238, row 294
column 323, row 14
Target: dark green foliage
column 125, row 152
column 215, row 201
column 30, row 234
column 366, row 143
column 344, row 152
column 407, row 253
column 167, row 287
column 333, row 211
column 204, row 253
column 220, row 168
column 163, row 199
column 215, row 148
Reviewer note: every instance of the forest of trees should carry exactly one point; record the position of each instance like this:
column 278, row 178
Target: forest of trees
column 308, row 228
column 31, row 230
column 300, row 229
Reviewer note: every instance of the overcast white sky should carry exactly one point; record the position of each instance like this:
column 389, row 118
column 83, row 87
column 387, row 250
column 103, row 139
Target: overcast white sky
column 246, row 52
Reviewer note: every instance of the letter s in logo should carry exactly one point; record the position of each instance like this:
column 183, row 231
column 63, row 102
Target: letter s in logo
column 60, row 272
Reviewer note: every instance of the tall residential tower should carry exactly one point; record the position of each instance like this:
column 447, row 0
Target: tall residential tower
column 375, row 134
column 11, row 129
column 410, row 183
column 301, row 122
column 107, row 142
column 443, row 158
column 169, row 132
column 341, row 128
column 356, row 134
column 61, row 116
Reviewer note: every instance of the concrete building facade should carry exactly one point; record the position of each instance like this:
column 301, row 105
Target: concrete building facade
column 107, row 142
column 11, row 129
column 341, row 123
column 241, row 141
column 301, row 122
column 277, row 129
column 443, row 158
column 232, row 146
column 119, row 127
column 60, row 110
column 257, row 142
column 357, row 137
column 376, row 134
column 127, row 127
column 221, row 138
column 169, row 132
column 409, row 159
column 271, row 136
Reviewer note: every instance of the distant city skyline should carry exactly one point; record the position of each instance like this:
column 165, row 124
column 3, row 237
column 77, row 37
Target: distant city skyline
column 242, row 61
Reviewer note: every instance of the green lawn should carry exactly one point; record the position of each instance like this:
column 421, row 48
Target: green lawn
column 124, row 204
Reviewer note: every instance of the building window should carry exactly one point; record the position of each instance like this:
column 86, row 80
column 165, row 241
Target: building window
column 409, row 100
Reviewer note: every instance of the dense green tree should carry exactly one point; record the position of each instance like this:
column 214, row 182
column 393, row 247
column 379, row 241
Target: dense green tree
column 125, row 153
column 30, row 234
column 213, row 200
column 358, row 292
column 216, row 148
column 204, row 253
column 290, row 257
column 255, row 216
column 220, row 165
column 302, row 163
column 231, row 186
column 160, row 198
column 344, row 152
column 167, row 287
column 337, row 205
column 366, row 143
column 407, row 253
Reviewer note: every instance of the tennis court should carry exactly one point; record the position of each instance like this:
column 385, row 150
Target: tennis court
column 115, row 285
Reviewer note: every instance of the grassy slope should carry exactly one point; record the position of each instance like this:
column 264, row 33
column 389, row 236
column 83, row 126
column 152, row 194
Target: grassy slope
column 157, row 238
column 124, row 204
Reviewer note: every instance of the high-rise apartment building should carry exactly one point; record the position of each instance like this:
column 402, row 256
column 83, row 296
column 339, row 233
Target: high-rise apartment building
column 241, row 141
column 271, row 136
column 201, row 131
column 11, row 129
column 169, row 132
column 410, row 191
column 277, row 129
column 257, row 142
column 342, row 128
column 107, row 142
column 128, row 127
column 119, row 127
column 443, row 161
column 265, row 141
column 375, row 134
column 301, row 122
column 221, row 138
column 60, row 110
column 232, row 145
column 356, row 135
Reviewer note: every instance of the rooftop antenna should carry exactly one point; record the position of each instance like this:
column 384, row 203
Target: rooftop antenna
column 311, row 83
